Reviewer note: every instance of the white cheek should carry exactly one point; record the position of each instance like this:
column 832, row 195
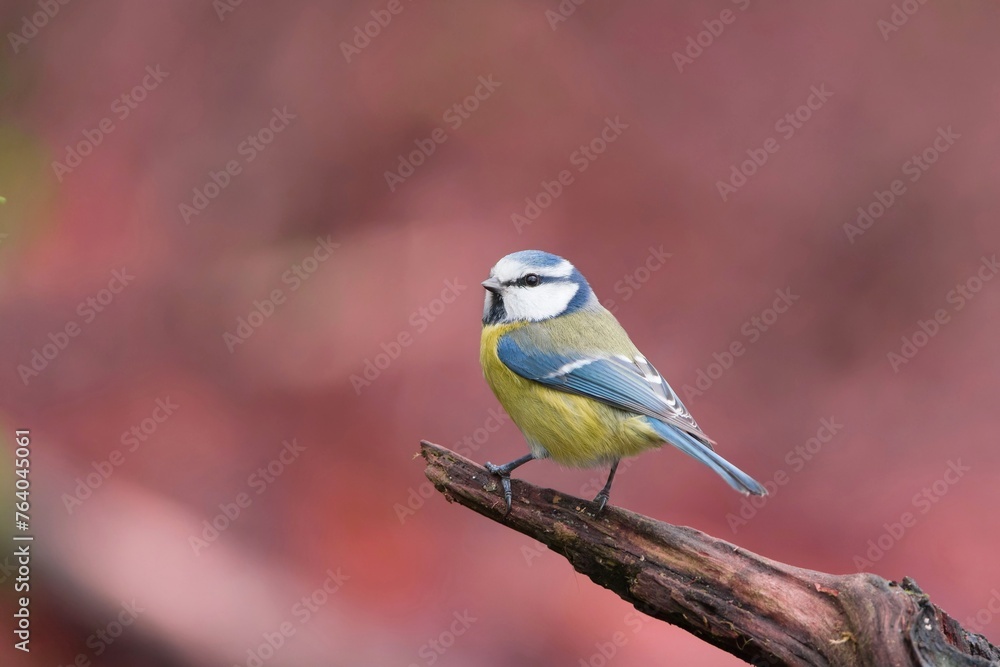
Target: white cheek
column 539, row 303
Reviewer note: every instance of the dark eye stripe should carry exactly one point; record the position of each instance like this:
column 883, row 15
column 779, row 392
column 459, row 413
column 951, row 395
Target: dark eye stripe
column 542, row 278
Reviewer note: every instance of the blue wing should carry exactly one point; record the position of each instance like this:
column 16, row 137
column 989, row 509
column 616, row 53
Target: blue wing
column 630, row 384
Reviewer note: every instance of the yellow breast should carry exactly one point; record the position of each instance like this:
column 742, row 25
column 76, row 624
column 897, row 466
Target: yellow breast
column 571, row 429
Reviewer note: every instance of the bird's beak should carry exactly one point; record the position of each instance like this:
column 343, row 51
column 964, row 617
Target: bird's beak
column 492, row 284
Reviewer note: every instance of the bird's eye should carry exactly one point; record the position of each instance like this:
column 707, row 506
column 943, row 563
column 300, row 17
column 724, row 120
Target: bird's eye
column 532, row 280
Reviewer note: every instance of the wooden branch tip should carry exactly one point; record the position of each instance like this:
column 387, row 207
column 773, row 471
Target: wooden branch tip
column 760, row 610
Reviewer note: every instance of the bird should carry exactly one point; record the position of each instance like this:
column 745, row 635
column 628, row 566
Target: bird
column 570, row 378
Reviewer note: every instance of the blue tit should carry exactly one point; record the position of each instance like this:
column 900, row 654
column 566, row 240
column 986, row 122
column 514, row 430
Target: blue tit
column 572, row 380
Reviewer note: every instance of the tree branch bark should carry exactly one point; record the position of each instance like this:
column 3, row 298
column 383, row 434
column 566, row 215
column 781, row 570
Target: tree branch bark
column 760, row 610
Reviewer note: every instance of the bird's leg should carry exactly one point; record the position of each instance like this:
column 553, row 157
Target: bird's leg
column 602, row 498
column 504, row 474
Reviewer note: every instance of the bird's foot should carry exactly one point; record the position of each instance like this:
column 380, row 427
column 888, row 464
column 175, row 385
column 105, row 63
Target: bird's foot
column 503, row 472
column 601, row 500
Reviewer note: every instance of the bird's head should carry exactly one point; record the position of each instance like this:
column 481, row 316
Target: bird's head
column 532, row 286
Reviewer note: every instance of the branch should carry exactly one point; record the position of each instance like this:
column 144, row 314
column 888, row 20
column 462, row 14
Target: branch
column 760, row 610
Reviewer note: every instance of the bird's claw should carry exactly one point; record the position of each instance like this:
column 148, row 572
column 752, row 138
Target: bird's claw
column 504, row 476
column 601, row 500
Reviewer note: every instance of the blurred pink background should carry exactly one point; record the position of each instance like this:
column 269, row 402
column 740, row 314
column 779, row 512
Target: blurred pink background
column 222, row 240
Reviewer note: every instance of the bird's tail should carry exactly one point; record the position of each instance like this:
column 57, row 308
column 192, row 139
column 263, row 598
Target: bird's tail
column 735, row 477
